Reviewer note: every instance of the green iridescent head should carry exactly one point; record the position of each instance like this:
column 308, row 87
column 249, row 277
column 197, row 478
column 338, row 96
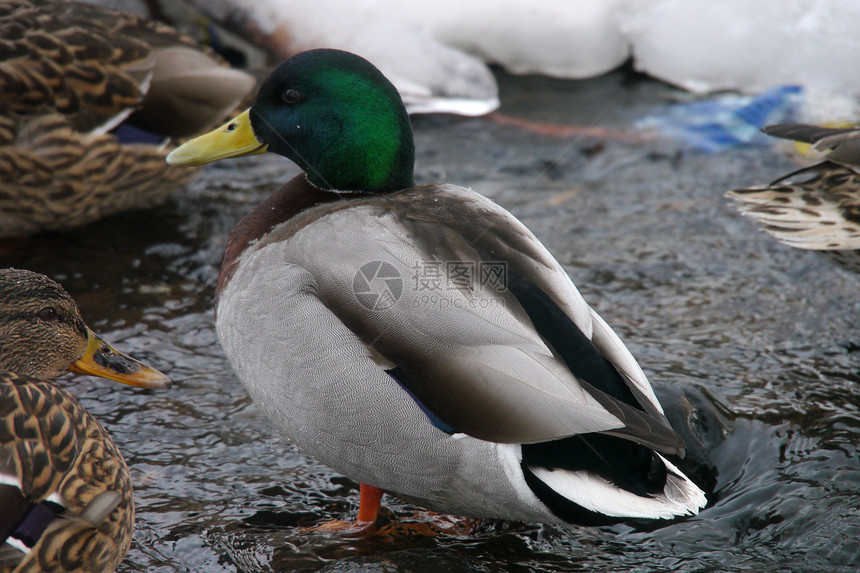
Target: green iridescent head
column 332, row 113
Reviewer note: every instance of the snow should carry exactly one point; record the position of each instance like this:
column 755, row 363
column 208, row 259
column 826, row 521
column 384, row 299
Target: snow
column 750, row 46
column 438, row 50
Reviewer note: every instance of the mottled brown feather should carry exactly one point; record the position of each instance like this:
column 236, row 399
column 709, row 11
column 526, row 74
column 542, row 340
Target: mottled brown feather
column 48, row 441
column 818, row 207
column 58, row 446
column 68, row 73
column 79, row 177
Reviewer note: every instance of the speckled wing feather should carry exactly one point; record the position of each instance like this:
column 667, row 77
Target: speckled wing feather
column 88, row 63
column 69, row 74
column 55, row 177
column 91, row 73
column 821, row 214
column 97, row 66
column 817, row 207
column 54, row 446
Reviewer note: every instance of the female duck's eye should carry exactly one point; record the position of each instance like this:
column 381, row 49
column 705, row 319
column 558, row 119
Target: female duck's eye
column 47, row 313
column 291, row 95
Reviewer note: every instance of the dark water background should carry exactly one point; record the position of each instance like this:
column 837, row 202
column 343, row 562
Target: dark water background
column 760, row 338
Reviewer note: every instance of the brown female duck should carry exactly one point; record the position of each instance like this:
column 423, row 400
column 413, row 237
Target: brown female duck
column 65, row 492
column 91, row 101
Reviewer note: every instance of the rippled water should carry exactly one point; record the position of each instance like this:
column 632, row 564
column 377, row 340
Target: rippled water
column 753, row 345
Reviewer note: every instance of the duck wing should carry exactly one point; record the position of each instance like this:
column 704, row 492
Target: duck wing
column 841, row 144
column 64, row 466
column 97, row 66
column 522, row 360
column 821, row 214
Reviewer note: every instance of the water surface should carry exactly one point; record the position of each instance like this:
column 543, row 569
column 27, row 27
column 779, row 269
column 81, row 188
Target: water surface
column 753, row 342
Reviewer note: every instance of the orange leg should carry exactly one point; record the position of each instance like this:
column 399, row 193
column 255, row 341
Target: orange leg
column 369, row 500
column 426, row 524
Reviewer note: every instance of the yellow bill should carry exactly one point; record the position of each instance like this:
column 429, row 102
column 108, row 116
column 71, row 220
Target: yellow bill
column 233, row 139
column 102, row 359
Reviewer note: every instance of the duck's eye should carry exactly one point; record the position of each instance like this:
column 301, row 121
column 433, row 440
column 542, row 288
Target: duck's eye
column 291, row 95
column 48, row 313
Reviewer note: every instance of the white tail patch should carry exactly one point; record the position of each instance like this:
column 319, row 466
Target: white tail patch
column 680, row 496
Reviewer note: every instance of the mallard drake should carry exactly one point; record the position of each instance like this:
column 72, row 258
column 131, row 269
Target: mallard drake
column 419, row 338
column 91, row 100
column 66, row 499
column 820, row 212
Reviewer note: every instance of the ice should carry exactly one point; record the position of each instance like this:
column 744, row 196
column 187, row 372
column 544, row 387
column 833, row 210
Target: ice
column 751, row 46
column 430, row 75
column 561, row 38
column 436, row 51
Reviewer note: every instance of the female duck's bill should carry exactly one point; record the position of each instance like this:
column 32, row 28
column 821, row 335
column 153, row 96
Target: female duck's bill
column 103, row 360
